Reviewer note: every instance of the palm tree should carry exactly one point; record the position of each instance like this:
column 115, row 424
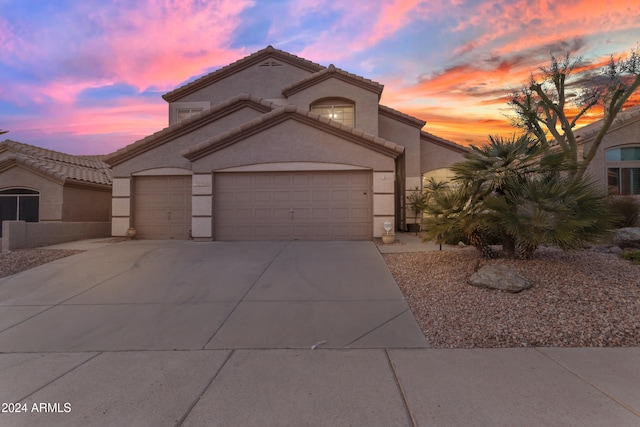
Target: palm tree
column 520, row 190
column 501, row 164
column 452, row 215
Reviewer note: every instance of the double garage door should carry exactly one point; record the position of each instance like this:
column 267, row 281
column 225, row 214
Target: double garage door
column 314, row 205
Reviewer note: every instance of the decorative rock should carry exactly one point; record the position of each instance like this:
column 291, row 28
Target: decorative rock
column 501, row 277
column 615, row 250
column 628, row 237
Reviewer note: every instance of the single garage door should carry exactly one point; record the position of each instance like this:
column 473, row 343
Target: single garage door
column 318, row 205
column 162, row 207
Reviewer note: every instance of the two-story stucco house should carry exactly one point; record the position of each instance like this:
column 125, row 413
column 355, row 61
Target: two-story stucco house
column 274, row 146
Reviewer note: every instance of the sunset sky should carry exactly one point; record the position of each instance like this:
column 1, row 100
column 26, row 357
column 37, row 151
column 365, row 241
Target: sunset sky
column 86, row 77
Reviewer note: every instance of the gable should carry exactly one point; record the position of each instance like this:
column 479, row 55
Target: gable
column 305, row 119
column 264, row 73
column 161, row 148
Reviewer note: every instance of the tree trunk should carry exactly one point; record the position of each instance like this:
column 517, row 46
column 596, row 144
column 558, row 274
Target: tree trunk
column 477, row 239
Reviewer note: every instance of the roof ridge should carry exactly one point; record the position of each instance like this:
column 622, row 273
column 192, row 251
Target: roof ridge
column 440, row 140
column 223, row 71
column 414, row 120
column 328, row 72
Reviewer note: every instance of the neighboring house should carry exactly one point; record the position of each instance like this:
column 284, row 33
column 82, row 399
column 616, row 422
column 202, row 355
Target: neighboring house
column 616, row 166
column 274, row 146
column 44, row 186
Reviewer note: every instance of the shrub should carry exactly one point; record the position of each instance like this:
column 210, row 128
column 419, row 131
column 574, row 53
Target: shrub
column 625, row 210
column 632, row 255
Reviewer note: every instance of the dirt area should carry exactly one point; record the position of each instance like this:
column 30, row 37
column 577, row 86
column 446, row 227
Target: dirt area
column 579, row 299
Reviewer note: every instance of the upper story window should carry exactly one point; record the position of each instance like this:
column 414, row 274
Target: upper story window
column 185, row 113
column 623, row 170
column 338, row 109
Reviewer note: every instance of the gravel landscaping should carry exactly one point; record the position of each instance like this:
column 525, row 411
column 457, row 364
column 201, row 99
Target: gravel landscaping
column 579, row 299
column 23, row 259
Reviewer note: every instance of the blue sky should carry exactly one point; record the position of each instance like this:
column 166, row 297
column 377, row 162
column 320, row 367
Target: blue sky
column 86, row 77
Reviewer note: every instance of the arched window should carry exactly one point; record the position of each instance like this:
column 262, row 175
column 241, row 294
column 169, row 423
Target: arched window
column 623, row 170
column 339, row 109
column 19, row 204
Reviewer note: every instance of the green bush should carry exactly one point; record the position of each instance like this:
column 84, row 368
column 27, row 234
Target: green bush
column 625, row 211
column 633, row 256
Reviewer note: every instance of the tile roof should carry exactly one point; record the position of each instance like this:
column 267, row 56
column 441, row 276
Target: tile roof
column 60, row 166
column 443, row 142
column 410, row 120
column 624, row 117
column 247, row 61
column 171, row 132
column 227, row 138
column 329, row 72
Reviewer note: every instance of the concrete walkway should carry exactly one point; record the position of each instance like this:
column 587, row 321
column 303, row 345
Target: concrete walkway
column 90, row 340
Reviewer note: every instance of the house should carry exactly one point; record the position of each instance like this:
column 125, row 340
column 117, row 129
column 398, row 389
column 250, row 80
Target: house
column 616, row 166
column 53, row 190
column 274, row 146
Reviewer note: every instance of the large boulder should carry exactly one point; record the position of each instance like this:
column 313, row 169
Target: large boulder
column 628, row 237
column 500, row 276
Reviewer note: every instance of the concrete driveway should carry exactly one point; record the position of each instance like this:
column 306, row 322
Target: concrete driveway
column 181, row 295
column 219, row 334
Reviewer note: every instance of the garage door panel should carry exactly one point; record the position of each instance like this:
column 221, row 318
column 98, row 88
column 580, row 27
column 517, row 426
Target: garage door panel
column 340, row 195
column 322, row 214
column 263, row 196
column 300, row 180
column 244, row 197
column 316, row 205
column 300, row 196
column 162, row 207
column 360, row 214
column 359, row 195
column 281, row 196
column 281, row 214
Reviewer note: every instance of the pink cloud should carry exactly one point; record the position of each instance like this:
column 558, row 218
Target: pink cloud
column 161, row 42
column 363, row 25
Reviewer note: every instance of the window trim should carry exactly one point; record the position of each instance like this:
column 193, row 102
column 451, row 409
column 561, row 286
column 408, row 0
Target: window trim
column 335, row 102
column 617, row 170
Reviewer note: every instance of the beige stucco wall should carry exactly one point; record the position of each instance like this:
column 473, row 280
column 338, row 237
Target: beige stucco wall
column 86, row 205
column 405, row 135
column 434, row 156
column 293, row 141
column 50, row 191
column 366, row 102
column 263, row 82
column 624, row 136
column 168, row 154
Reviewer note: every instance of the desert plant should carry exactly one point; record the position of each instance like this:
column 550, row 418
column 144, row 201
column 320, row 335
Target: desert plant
column 517, row 189
column 416, row 201
column 625, row 210
column 632, row 255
